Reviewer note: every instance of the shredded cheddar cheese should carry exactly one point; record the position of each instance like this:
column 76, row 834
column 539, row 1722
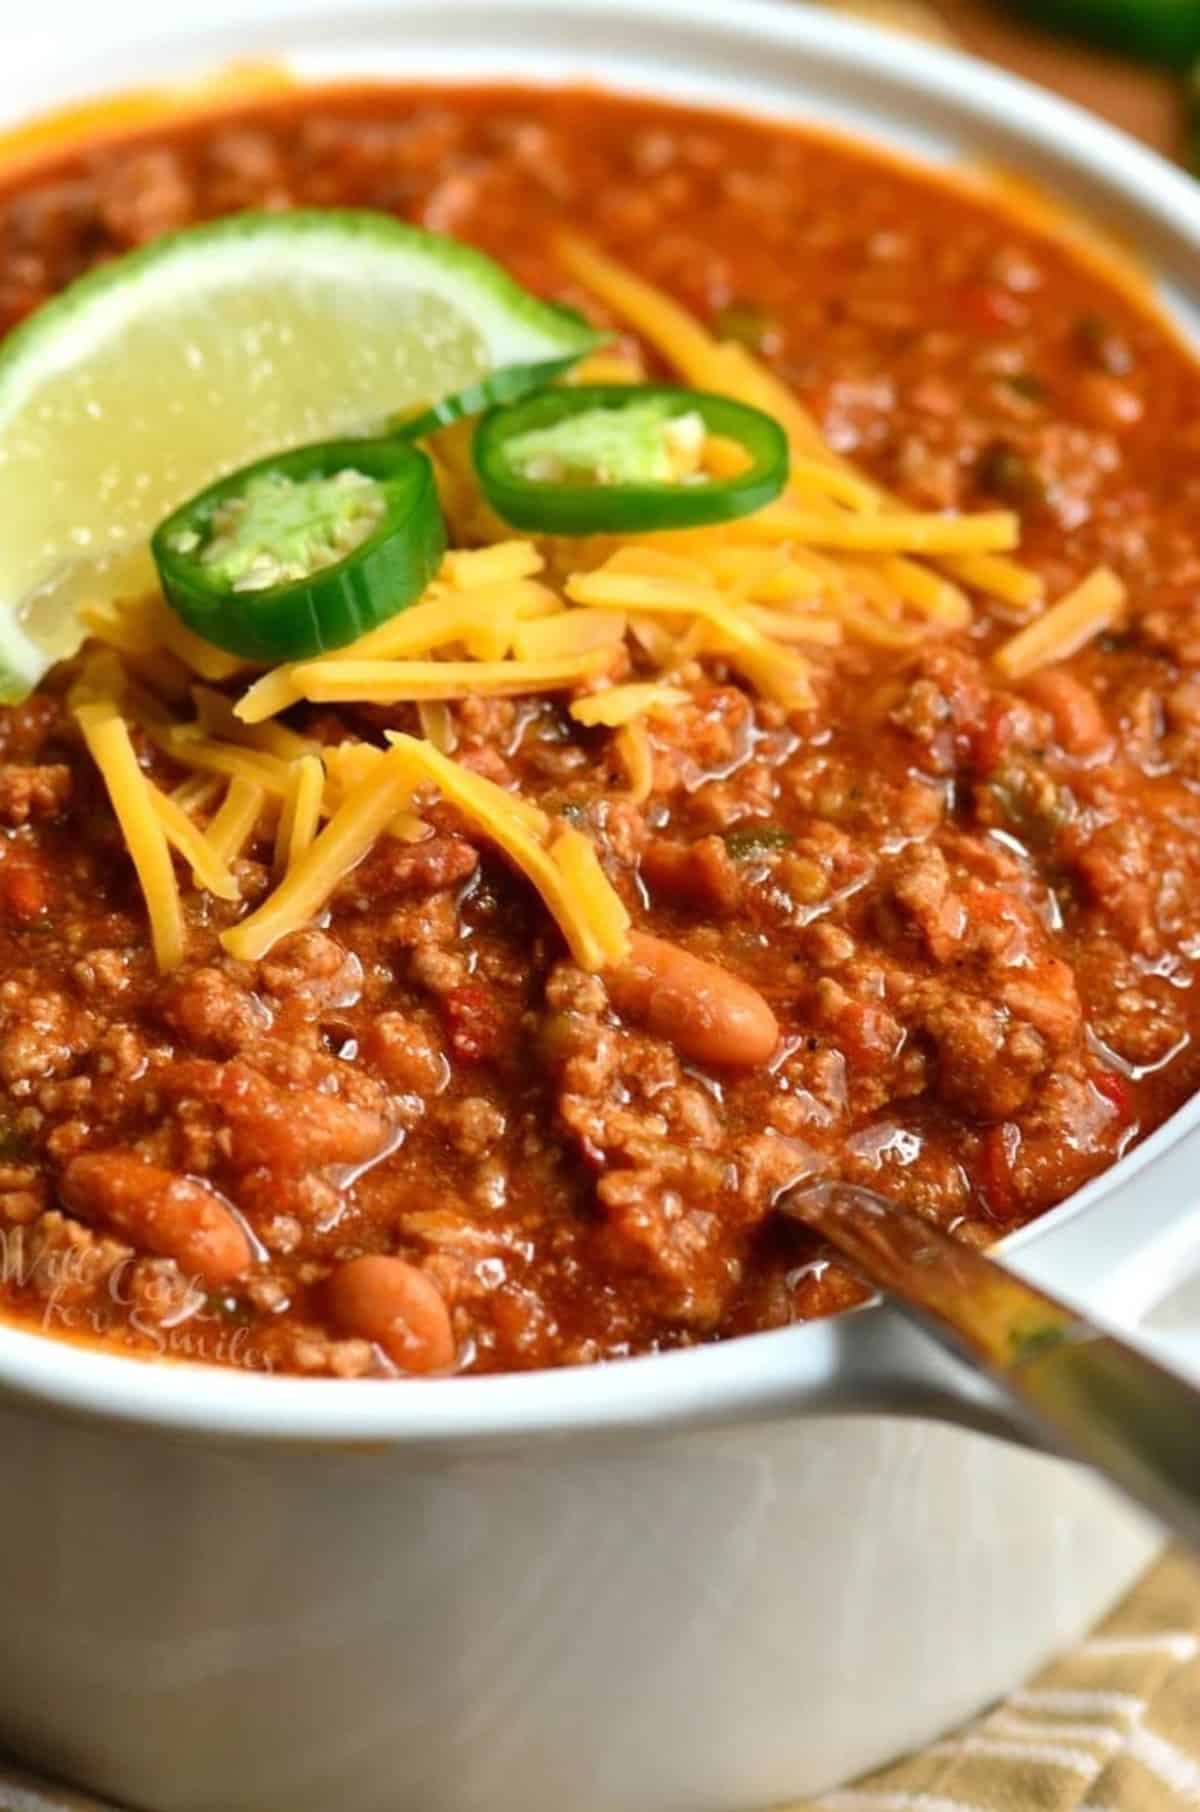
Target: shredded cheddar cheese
column 469, row 568
column 572, row 884
column 127, row 631
column 215, row 715
column 569, row 632
column 201, row 657
column 591, row 893
column 212, row 757
column 493, row 599
column 437, row 725
column 793, row 626
column 889, row 532
column 927, row 592
column 346, row 765
column 395, row 682
column 273, row 693
column 235, row 821
column 670, row 329
column 301, row 814
column 633, row 746
column 837, row 483
column 182, row 834
column 773, row 670
column 96, row 711
column 1095, row 605
column 870, row 626
column 362, row 817
column 659, row 563
column 622, row 704
column 1001, row 579
column 607, row 368
column 196, row 792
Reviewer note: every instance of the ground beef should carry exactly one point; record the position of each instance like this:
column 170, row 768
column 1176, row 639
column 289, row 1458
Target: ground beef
column 33, row 791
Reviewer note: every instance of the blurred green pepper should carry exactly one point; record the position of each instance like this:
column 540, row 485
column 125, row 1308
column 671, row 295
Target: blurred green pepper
column 1160, row 31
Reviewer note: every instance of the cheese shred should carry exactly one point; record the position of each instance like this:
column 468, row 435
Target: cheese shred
column 213, row 757
column 622, row 704
column 775, row 671
column 236, row 819
column 301, row 813
column 888, row 532
column 1095, row 605
column 395, row 682
column 362, row 817
column 182, row 834
column 106, row 734
column 637, row 757
column 569, row 878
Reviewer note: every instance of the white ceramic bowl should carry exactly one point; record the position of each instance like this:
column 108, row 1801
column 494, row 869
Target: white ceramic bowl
column 694, row 1583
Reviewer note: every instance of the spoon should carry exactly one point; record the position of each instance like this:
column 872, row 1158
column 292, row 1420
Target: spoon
column 1077, row 1388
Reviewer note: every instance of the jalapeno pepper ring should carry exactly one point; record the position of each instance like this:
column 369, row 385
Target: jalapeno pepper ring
column 303, row 551
column 505, row 385
column 583, row 460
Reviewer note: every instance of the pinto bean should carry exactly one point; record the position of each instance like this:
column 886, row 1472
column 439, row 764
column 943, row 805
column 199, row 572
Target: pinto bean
column 160, row 1211
column 706, row 1013
column 390, row 1302
column 1078, row 720
column 295, row 1129
column 284, row 1129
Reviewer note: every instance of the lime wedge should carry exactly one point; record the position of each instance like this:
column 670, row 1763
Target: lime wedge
column 159, row 372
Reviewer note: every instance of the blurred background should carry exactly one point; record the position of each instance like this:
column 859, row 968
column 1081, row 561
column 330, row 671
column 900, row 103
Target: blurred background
column 1135, row 61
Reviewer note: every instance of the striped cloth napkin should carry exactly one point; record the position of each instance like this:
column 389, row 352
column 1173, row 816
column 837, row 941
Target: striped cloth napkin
column 1112, row 1727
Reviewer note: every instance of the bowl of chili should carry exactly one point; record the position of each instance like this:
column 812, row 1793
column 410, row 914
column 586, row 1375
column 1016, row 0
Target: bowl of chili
column 736, row 1571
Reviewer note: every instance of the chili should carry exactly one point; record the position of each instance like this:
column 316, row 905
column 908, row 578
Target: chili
column 976, row 928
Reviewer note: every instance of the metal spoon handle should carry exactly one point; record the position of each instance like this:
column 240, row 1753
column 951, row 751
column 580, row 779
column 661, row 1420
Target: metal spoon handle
column 1088, row 1393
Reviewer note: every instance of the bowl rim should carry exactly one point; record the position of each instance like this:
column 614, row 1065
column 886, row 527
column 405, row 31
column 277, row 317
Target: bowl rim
column 754, row 1376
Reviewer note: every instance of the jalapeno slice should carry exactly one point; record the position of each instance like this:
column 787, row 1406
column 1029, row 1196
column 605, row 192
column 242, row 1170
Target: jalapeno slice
column 505, row 385
column 621, row 459
column 303, row 551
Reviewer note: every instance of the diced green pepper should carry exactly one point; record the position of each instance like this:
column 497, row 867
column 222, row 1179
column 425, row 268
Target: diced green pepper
column 1160, row 31
column 747, row 324
column 756, row 840
column 506, row 385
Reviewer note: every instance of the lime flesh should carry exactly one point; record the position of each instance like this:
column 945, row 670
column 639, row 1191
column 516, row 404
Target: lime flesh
column 159, row 373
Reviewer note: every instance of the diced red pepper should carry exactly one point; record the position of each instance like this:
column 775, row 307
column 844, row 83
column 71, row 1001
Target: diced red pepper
column 1116, row 1089
column 871, row 1038
column 989, row 308
column 989, row 743
column 473, row 1024
column 24, row 885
